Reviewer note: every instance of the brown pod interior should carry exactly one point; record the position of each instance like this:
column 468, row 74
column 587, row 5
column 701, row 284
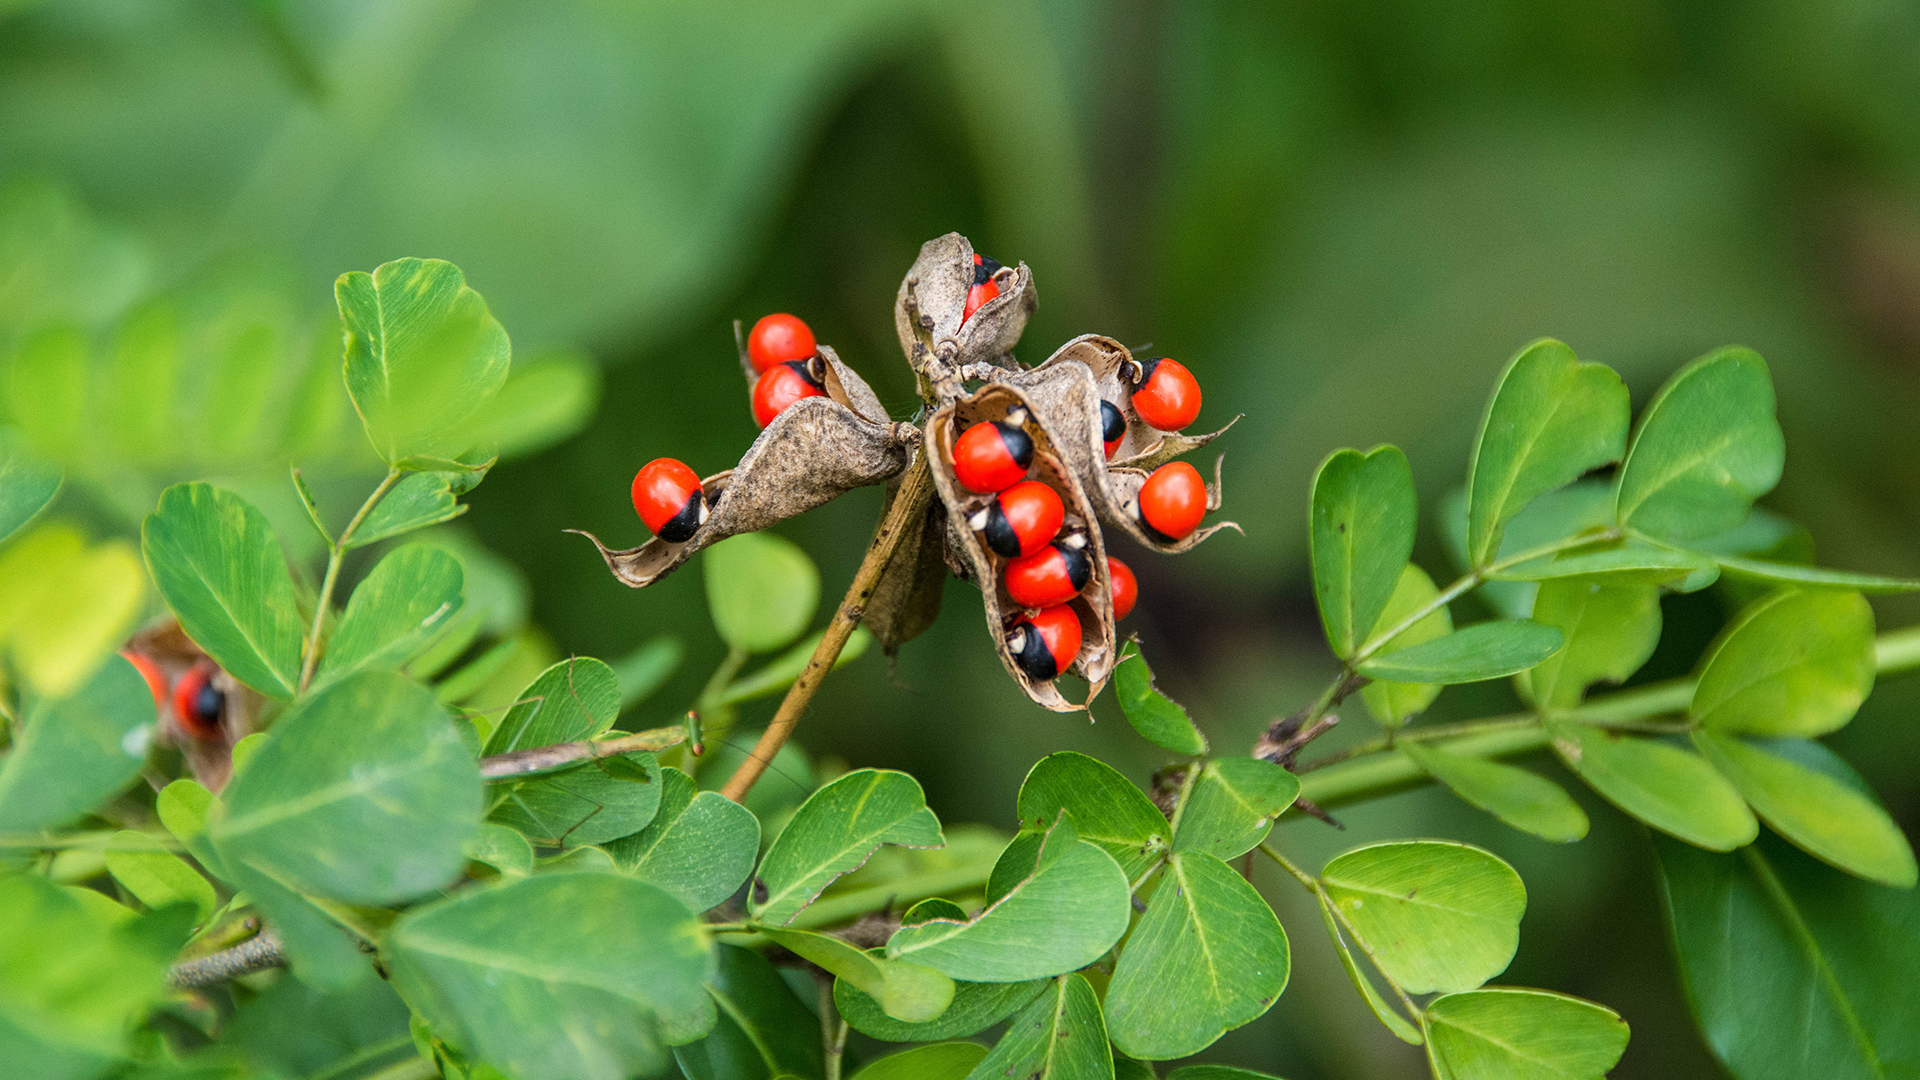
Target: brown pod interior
column 1093, row 606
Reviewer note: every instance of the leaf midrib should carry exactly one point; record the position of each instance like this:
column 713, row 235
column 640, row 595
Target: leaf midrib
column 1505, row 493
column 387, row 772
column 1391, row 895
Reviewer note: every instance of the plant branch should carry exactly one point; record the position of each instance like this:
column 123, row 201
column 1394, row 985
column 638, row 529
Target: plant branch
column 1385, row 771
column 336, row 551
column 543, row 758
column 257, row 953
column 902, row 518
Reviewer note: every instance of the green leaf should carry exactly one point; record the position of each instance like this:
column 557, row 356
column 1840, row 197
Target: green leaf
column 778, row 674
column 1436, row 916
column 763, row 1031
column 544, row 401
column 835, row 831
column 906, row 991
column 1394, row 703
column 1530, row 803
column 1830, row 818
column 1157, row 718
column 184, row 808
column 50, row 376
column 1232, row 806
column 418, row 500
column 1812, row 577
column 1475, row 653
column 27, row 484
column 1208, row 956
column 1217, row 1072
column 1792, row 969
column 1363, row 520
column 66, row 605
column 1611, row 630
column 975, row 1008
column 1622, row 562
column 1579, row 507
column 504, row 849
column 423, row 356
column 155, row 876
column 1059, row 1036
column 408, row 598
column 362, row 793
column 1388, row 1016
column 72, row 753
column 941, row 1061
column 502, row 974
column 762, row 590
column 575, row 699
column 215, row 559
column 699, row 847
column 1551, row 419
column 590, row 803
column 1657, row 782
column 1502, row 1033
column 74, row 979
column 1707, row 446
column 648, row 668
column 1793, row 663
column 1108, row 810
column 1075, row 889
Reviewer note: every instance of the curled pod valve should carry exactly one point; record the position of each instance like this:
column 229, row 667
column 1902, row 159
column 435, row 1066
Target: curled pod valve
column 785, row 383
column 1045, row 644
column 668, row 498
column 1165, row 393
column 197, row 702
column 1020, row 520
column 1053, row 575
column 993, row 455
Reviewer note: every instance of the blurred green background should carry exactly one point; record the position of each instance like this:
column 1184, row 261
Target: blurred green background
column 1343, row 217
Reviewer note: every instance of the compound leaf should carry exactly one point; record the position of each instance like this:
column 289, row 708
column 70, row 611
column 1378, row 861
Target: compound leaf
column 835, row 831
column 1436, row 916
column 1108, row 810
column 1159, row 720
column 1661, row 784
column 1793, row 663
column 1393, row 703
column 1232, row 806
column 1060, row 1036
column 699, row 847
column 1498, row 1034
column 408, row 598
column 1524, row 800
column 1610, row 629
column 1487, row 650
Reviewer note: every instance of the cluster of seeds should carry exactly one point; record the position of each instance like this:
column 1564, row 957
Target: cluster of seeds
column 1024, row 521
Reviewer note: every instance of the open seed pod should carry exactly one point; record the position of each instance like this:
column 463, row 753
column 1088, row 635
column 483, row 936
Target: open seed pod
column 1065, row 393
column 1145, row 446
column 1093, row 606
column 933, row 295
column 813, row 452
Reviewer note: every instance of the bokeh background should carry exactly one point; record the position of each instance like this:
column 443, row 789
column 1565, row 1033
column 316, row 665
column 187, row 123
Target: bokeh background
column 1343, row 217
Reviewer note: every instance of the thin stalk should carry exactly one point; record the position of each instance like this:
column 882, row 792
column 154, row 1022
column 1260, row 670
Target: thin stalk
column 837, row 1045
column 850, row 905
column 336, row 552
column 901, row 519
column 543, row 758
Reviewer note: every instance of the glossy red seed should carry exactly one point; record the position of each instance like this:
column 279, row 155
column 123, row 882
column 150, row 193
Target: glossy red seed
column 1059, row 628
column 1048, row 576
column 197, row 702
column 780, row 386
column 778, row 338
column 990, row 457
column 1173, row 500
column 1170, row 398
column 1034, row 514
column 663, row 494
column 1122, row 587
column 150, row 671
column 977, row 296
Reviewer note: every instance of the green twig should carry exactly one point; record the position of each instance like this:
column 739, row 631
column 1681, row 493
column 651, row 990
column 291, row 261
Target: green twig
column 336, row 551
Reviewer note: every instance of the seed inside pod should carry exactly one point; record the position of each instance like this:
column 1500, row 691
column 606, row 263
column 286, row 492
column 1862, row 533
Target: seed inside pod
column 1020, row 520
column 667, row 496
column 993, row 455
column 1172, row 501
column 1165, row 393
column 1053, row 575
column 783, row 384
column 1045, row 644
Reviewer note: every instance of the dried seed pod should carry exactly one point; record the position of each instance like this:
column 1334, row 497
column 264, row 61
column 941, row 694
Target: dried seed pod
column 1094, row 605
column 813, row 452
column 930, row 309
column 1066, row 396
column 907, row 599
column 1144, row 446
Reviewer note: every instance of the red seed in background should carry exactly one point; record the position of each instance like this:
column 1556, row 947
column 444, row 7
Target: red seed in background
column 778, row 338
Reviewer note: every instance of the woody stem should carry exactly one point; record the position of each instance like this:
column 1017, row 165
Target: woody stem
column 902, row 518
